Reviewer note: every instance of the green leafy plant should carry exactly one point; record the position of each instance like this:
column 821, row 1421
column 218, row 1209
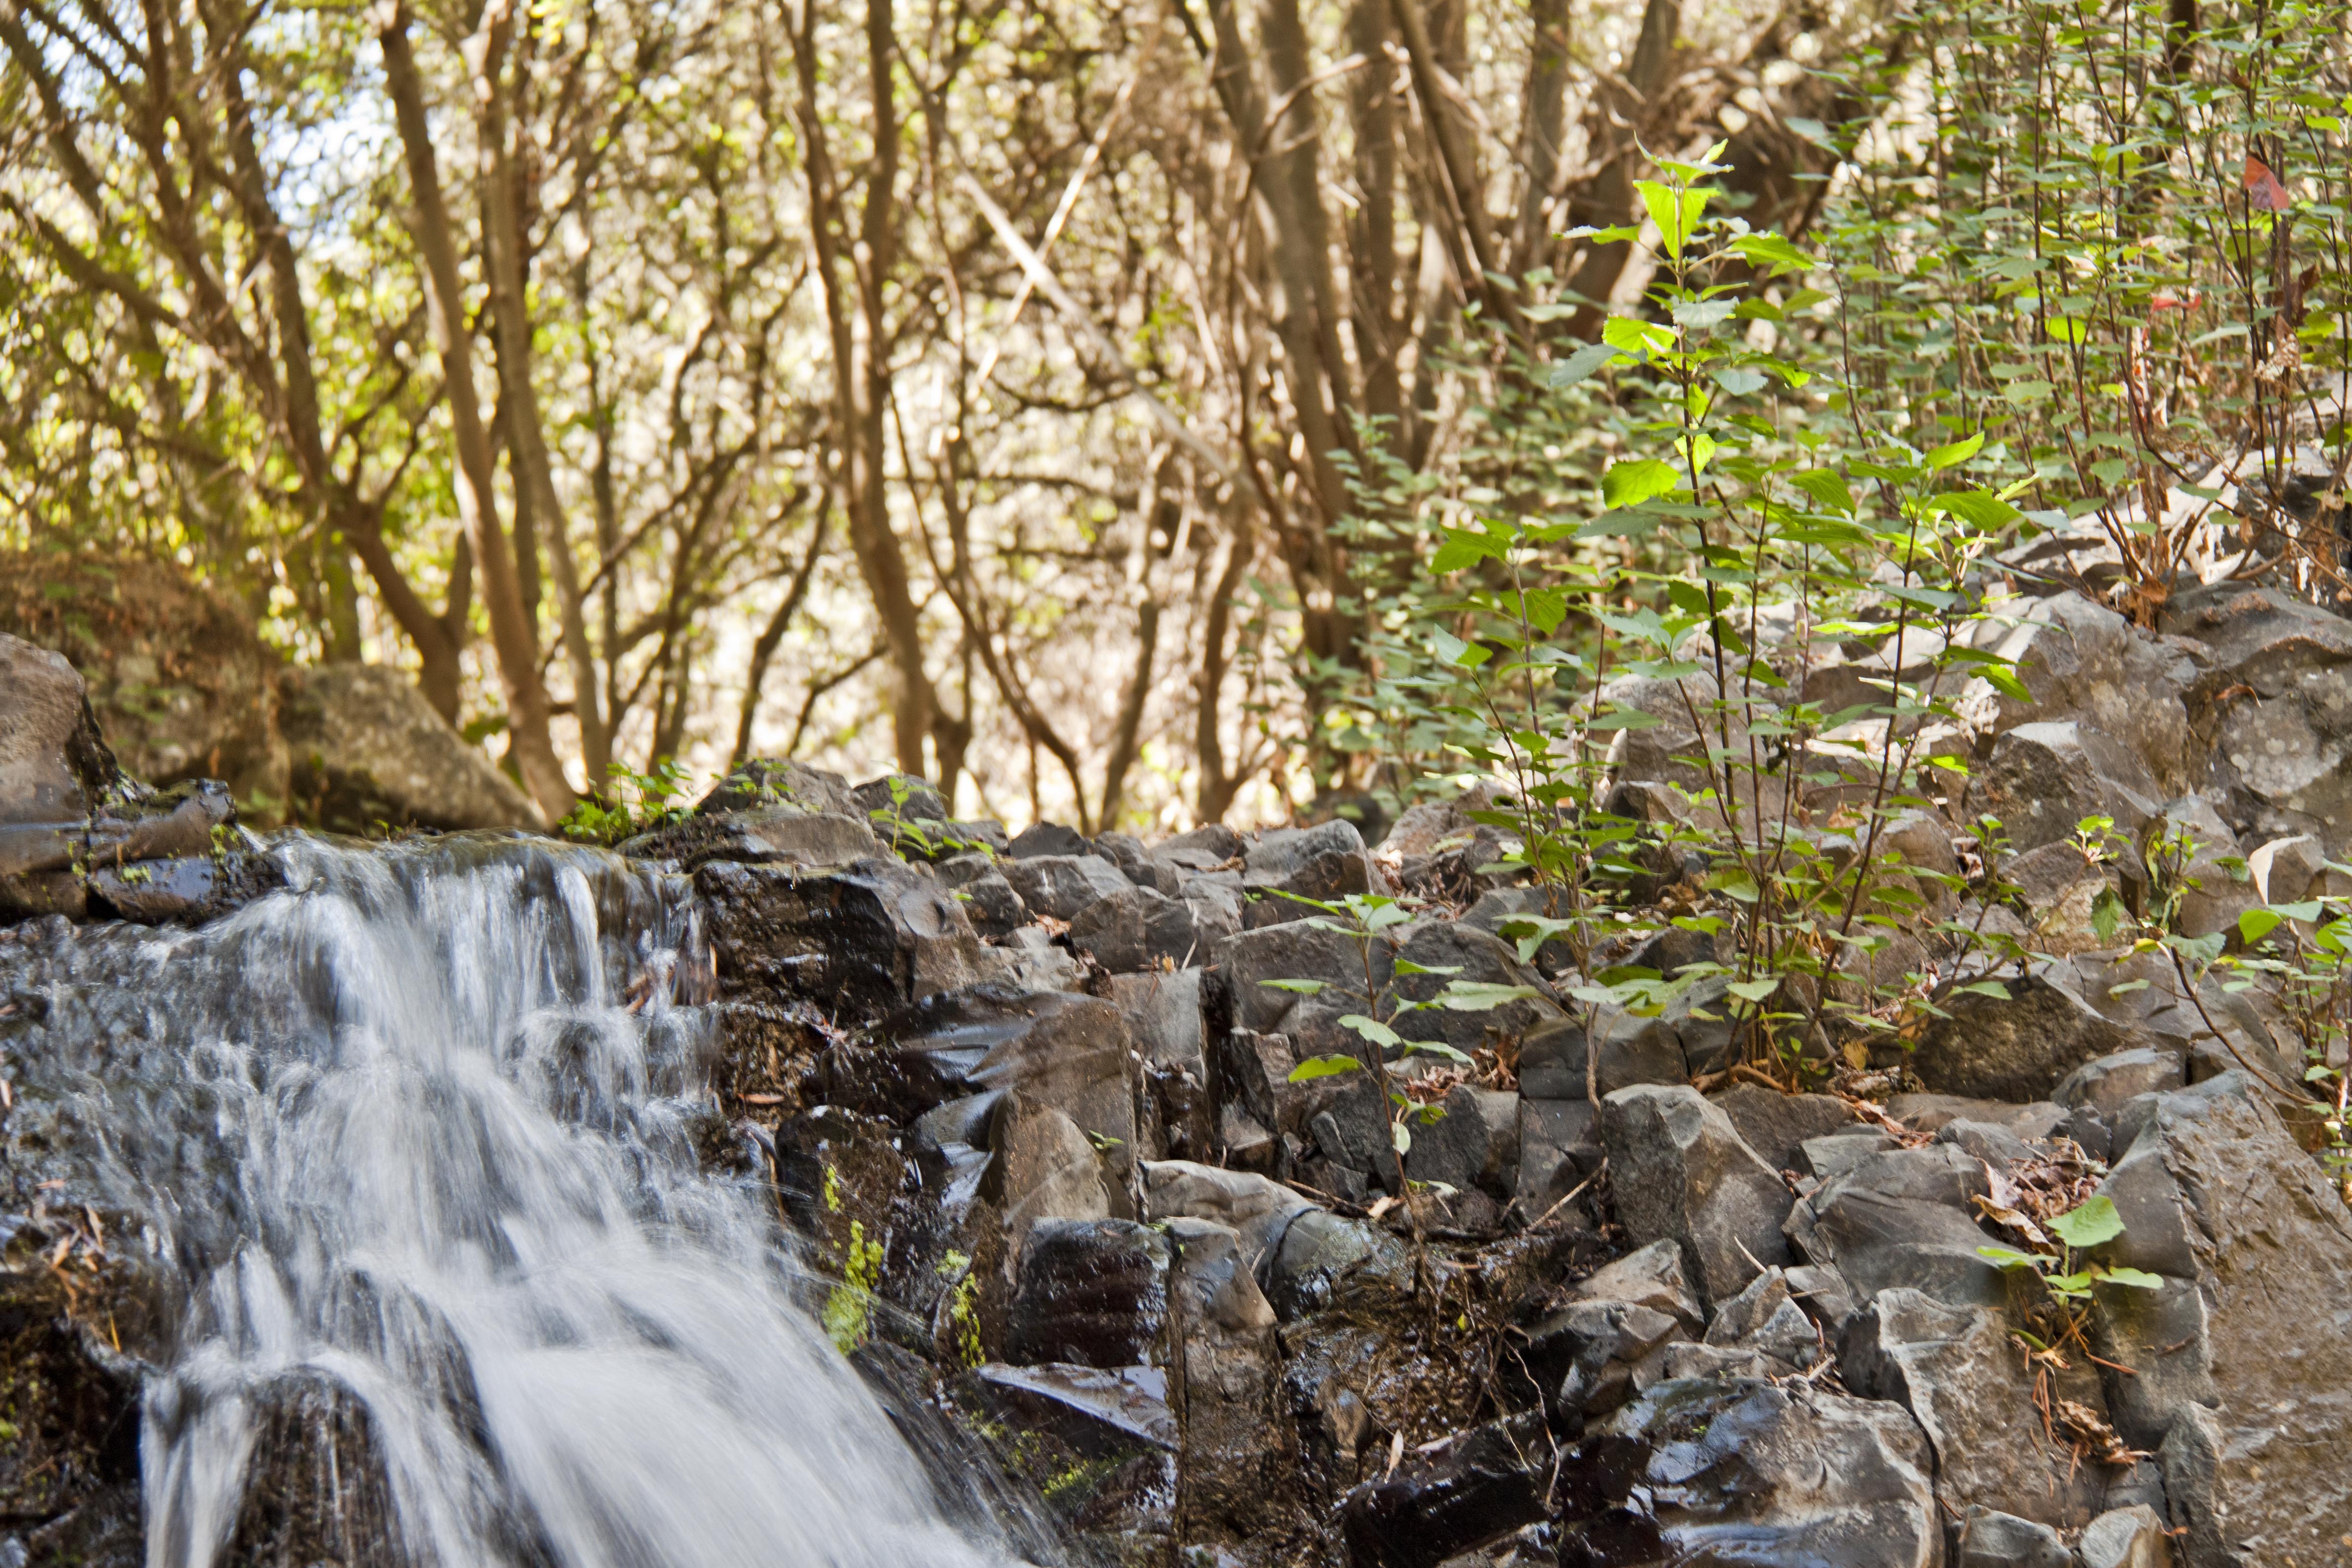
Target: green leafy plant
column 849, row 1305
column 632, row 803
column 2061, row 1241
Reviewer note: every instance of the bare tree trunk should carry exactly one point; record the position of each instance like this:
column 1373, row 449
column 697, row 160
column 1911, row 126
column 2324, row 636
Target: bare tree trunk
column 1547, row 121
column 534, row 475
column 511, row 632
column 1617, row 117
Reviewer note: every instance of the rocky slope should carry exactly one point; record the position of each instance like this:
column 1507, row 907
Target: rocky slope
column 1029, row 1100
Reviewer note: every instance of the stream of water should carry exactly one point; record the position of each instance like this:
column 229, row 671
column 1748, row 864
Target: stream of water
column 449, row 1095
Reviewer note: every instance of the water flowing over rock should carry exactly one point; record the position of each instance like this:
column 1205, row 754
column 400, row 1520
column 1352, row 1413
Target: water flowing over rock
column 411, row 1147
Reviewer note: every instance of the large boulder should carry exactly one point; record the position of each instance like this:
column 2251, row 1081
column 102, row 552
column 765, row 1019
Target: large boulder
column 1456, row 1494
column 1231, row 1373
column 55, row 773
column 856, row 942
column 181, row 684
column 2016, row 1045
column 2276, row 698
column 1901, row 1217
column 2043, row 778
column 369, row 751
column 2083, row 663
column 1325, row 862
column 1682, row 1172
column 2234, row 1370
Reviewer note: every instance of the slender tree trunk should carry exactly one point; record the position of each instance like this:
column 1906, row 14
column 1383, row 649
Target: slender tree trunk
column 1547, row 121
column 511, row 632
column 1617, row 116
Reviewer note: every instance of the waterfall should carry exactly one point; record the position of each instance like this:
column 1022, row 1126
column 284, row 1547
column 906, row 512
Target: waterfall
column 415, row 1142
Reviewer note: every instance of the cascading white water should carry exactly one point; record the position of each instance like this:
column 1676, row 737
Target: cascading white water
column 451, row 1099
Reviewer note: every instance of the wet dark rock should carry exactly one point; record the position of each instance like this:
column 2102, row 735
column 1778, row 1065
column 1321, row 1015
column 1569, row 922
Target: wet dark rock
column 1136, row 929
column 368, row 749
column 1232, row 1451
column 188, row 890
column 2235, row 1368
column 764, row 835
column 1955, row 1369
column 1739, row 1471
column 1257, row 1210
column 1091, row 1292
column 765, row 782
column 1163, row 1012
column 1478, row 1487
column 1777, row 1125
column 1043, row 838
column 1682, row 1172
column 1063, row 886
column 1901, row 1217
column 1046, row 1169
column 1323, row 1259
column 1991, row 1538
column 857, row 941
column 1098, row 1444
column 988, row 900
column 1061, row 1049
column 1326, row 862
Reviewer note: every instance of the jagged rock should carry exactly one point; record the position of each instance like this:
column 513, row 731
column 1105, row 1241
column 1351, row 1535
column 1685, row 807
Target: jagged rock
column 1135, row 863
column 1560, row 1146
column 766, row 835
column 367, row 748
column 1498, row 907
column 1135, row 930
column 2044, row 778
column 1256, row 1210
column 1592, row 1356
column 1062, row 886
column 1231, row 1447
column 1840, row 1152
column 1478, row 1487
column 1738, row 1471
column 1989, row 1141
column 1953, row 1368
column 2275, row 699
column 1099, row 1444
column 2109, row 1083
column 178, row 679
column 2234, row 1368
column 1475, row 1144
column 185, row 890
column 988, row 900
column 2015, row 1047
column 2127, row 1537
column 1029, row 959
column 1430, row 826
column 1091, row 1292
column 1163, row 1016
column 1931, row 1112
column 1634, row 1050
column 1062, row 1049
column 1046, row 1169
column 857, row 941
column 1990, row 1539
column 2287, row 870
column 1901, row 1217
column 764, row 782
column 55, row 771
column 1204, row 848
column 1326, row 862
column 1245, row 963
column 1682, row 1171
column 1777, row 1125
column 2061, row 892
column 2083, row 661
column 1044, row 838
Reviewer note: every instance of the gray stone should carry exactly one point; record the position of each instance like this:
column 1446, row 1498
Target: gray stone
column 2081, row 660
column 988, row 900
column 1822, row 1293
column 1474, row 1488
column 857, row 941
column 1047, row 1168
column 1247, row 961
column 2044, row 778
column 765, row 782
column 1990, row 1539
column 1739, row 1471
column 54, row 767
column 1163, row 1012
column 1901, row 1217
column 1680, row 1169
column 2235, row 1362
column 1654, row 1276
column 1048, row 838
column 2110, row 1082
column 1204, row 848
column 1258, row 1211
column 2285, row 870
column 1325, row 862
column 367, row 748
column 1135, row 863
column 1592, row 1356
column 2061, row 892
column 1478, row 958
column 2212, row 896
column 1930, row 1112
column 1953, row 1368
column 1475, row 1144
column 2127, row 1537
column 1634, row 1050
column 903, row 797
column 764, row 835
column 1134, row 930
column 1029, row 959
column 2015, row 1049
column 1777, row 1125
column 1989, row 1141
column 1322, row 1257
column 1062, row 886
column 1840, row 1152
column 1560, row 1146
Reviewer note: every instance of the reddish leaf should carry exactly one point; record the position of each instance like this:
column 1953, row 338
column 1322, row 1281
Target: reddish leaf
column 2264, row 191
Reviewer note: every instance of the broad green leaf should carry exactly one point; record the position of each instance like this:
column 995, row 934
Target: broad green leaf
column 2256, row 924
column 1827, row 486
column 1435, row 1048
column 1757, row 991
column 1303, row 987
column 1739, row 383
column 1482, row 995
column 1702, row 315
column 1314, row 1068
column 1956, row 454
column 1453, row 650
column 1676, row 212
column 2137, row 1278
column 1372, row 1029
column 1407, row 966
column 2008, row 1258
column 2067, row 329
column 1546, row 608
column 1401, row 1137
column 1770, row 254
column 2094, row 1222
column 1580, row 365
column 1979, row 509
column 1464, row 548
column 1637, row 480
column 1636, row 337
